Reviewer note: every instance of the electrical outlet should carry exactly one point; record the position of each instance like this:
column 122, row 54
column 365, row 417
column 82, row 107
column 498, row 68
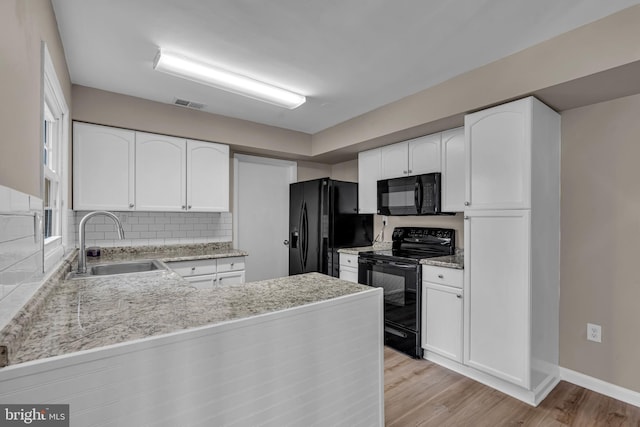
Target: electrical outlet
column 384, row 219
column 594, row 332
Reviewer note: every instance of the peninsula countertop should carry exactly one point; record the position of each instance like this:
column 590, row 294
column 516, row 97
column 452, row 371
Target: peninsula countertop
column 87, row 313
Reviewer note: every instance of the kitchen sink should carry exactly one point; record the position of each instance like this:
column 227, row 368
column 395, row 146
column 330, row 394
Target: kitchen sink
column 120, row 268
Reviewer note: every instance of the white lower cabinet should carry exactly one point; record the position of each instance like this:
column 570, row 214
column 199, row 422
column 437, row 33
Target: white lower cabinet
column 442, row 308
column 206, row 273
column 349, row 267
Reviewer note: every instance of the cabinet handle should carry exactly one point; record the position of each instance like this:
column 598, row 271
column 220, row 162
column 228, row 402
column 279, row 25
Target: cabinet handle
column 231, row 264
column 193, row 269
column 440, row 276
column 189, row 207
column 410, row 171
column 466, row 217
column 404, row 172
column 184, row 207
column 459, row 296
column 131, row 205
column 467, row 203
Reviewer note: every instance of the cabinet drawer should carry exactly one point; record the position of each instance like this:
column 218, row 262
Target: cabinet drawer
column 442, row 275
column 230, row 264
column 193, row 268
column 349, row 260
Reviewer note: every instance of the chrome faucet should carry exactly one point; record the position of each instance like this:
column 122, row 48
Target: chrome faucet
column 82, row 258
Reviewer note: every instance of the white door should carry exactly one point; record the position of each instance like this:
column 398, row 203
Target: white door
column 160, row 173
column 453, row 172
column 207, row 177
column 496, row 288
column 261, row 214
column 498, row 156
column 368, row 176
column 103, row 168
column 424, row 155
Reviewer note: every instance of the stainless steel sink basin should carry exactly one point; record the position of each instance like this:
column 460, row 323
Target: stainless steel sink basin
column 121, row 268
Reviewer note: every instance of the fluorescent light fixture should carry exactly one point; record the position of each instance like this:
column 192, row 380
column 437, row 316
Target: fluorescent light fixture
column 199, row 72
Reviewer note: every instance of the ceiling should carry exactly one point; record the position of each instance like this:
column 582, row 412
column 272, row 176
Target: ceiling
column 347, row 56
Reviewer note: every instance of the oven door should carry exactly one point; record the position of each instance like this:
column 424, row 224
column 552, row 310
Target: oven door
column 400, row 284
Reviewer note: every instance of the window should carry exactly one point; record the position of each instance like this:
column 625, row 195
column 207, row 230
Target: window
column 55, row 136
column 51, row 196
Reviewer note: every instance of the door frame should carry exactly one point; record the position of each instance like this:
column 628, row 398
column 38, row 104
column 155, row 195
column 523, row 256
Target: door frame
column 237, row 158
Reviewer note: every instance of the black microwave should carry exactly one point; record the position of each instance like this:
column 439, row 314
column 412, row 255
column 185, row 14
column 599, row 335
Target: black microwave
column 410, row 195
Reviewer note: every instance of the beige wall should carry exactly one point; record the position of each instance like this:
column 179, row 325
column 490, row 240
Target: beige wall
column 600, row 235
column 113, row 109
column 345, row 171
column 23, row 25
column 587, row 50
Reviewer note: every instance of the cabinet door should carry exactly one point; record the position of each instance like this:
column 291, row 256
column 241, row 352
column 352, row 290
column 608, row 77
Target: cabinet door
column 103, row 168
column 349, row 274
column 498, row 156
column 230, row 278
column 160, row 173
column 207, row 177
column 453, row 170
column 368, row 176
column 395, row 160
column 201, row 282
column 424, row 155
column 442, row 320
column 496, row 289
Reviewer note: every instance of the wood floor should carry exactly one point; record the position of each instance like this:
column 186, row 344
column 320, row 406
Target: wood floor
column 421, row 393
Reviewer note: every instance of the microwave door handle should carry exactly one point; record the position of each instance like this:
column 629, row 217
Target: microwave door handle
column 416, row 196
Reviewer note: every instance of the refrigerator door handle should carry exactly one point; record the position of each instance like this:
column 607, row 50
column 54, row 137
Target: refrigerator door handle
column 304, row 230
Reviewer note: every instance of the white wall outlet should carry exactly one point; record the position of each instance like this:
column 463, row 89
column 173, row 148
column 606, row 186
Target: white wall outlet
column 594, row 332
column 385, row 219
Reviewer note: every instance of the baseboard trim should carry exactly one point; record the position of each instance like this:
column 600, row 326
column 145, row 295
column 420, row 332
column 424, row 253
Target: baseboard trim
column 594, row 384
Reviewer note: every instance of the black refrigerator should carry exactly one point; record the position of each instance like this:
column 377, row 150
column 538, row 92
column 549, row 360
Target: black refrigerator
column 323, row 217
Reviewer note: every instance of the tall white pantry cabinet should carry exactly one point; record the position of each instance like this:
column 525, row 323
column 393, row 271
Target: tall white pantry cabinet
column 512, row 246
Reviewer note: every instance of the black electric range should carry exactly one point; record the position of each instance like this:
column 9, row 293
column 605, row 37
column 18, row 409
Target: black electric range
column 398, row 272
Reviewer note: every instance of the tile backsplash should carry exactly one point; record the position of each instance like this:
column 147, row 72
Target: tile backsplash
column 154, row 228
column 20, row 248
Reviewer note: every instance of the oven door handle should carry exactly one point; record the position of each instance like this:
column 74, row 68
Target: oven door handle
column 402, row 266
column 388, row 263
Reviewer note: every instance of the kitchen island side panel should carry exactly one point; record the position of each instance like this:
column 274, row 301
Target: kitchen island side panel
column 318, row 364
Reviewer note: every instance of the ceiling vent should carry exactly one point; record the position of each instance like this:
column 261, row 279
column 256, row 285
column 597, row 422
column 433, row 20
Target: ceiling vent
column 188, row 104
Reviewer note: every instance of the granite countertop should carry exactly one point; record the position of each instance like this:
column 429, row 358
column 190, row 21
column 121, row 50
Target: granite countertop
column 377, row 246
column 450, row 261
column 167, row 253
column 87, row 313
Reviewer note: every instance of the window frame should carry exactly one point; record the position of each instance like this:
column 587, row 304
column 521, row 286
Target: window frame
column 55, row 110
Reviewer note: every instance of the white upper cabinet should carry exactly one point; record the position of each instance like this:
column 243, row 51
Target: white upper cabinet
column 368, row 176
column 498, row 156
column 395, row 160
column 103, row 168
column 160, row 173
column 453, row 170
column 120, row 170
column 424, row 155
column 207, row 177
column 413, row 157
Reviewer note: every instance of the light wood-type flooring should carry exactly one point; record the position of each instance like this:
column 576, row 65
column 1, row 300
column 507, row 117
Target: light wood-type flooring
column 422, row 393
